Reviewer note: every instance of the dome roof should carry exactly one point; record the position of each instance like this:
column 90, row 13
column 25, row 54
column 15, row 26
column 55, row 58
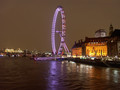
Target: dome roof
column 100, row 33
column 100, row 30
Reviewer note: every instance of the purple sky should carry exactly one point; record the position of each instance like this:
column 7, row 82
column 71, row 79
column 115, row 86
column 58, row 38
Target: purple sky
column 27, row 23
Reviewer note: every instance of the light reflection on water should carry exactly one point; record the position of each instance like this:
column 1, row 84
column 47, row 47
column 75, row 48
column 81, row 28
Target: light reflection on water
column 26, row 74
column 52, row 77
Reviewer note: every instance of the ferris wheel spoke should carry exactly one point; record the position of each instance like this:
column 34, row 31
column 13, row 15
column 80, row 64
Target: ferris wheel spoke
column 61, row 33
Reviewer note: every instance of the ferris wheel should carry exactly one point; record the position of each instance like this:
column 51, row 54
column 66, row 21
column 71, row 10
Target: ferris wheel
column 62, row 33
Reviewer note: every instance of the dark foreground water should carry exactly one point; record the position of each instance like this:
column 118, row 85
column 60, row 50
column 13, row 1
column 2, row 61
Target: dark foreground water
column 26, row 74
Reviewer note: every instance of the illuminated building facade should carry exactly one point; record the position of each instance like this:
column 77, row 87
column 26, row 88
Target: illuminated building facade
column 92, row 47
column 96, row 47
column 9, row 50
column 99, row 46
column 13, row 50
column 77, row 49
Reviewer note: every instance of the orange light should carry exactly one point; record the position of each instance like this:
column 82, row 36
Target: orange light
column 77, row 51
column 98, row 50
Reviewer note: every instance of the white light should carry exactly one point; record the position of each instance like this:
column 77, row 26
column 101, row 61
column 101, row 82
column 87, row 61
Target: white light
column 92, row 58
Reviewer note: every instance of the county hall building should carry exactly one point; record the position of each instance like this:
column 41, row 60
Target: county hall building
column 99, row 46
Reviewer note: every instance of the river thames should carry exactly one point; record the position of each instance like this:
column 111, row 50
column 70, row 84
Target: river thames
column 26, row 74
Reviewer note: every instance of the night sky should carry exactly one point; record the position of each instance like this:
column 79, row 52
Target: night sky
column 27, row 23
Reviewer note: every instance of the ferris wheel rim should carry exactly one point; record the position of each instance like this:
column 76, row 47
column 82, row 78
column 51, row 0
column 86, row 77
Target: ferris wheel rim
column 59, row 9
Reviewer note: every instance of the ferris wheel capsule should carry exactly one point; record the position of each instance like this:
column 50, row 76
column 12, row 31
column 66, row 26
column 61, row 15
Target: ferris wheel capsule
column 62, row 34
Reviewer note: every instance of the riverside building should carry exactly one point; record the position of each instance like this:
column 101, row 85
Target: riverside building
column 99, row 46
column 114, row 44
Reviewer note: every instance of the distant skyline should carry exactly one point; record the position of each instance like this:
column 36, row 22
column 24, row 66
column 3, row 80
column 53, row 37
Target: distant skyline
column 27, row 23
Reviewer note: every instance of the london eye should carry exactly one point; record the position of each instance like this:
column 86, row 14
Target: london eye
column 62, row 32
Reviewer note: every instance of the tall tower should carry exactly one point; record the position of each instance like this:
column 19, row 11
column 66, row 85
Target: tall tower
column 110, row 29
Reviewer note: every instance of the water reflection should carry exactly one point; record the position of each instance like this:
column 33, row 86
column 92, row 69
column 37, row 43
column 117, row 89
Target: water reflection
column 116, row 76
column 92, row 77
column 23, row 74
column 54, row 76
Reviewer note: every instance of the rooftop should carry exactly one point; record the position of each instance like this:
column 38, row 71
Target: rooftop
column 116, row 32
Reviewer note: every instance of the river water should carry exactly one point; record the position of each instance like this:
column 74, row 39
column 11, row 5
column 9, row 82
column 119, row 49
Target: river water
column 26, row 74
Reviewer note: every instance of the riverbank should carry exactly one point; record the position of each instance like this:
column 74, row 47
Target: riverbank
column 97, row 62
